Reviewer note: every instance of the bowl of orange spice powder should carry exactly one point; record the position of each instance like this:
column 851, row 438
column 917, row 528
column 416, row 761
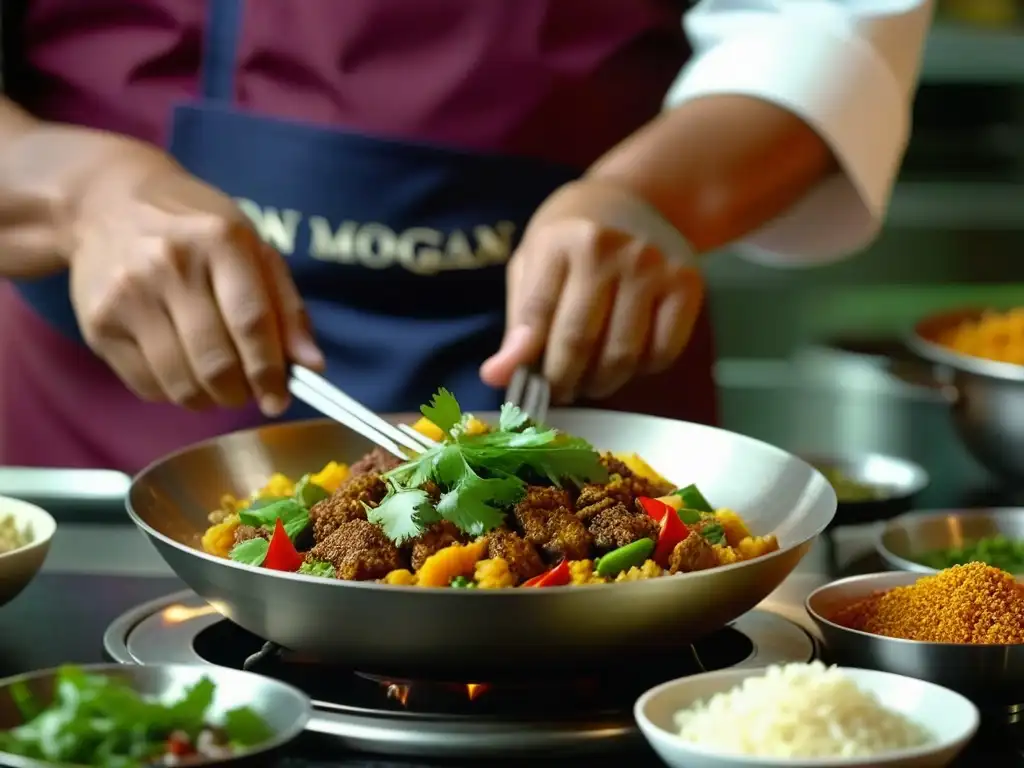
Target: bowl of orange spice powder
column 962, row 628
column 975, row 359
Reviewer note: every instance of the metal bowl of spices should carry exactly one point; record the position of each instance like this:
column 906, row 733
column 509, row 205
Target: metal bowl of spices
column 926, row 542
column 992, row 675
column 869, row 486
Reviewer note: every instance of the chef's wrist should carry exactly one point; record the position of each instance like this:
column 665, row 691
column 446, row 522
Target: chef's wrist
column 45, row 170
column 618, row 207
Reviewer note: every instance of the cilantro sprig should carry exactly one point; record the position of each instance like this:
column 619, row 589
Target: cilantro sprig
column 480, row 476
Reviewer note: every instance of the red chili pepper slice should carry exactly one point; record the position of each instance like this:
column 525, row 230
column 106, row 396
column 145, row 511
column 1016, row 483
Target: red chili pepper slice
column 655, row 508
column 673, row 530
column 281, row 554
column 179, row 745
column 558, row 576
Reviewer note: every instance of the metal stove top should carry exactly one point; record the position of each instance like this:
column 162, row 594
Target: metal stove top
column 448, row 719
column 96, row 572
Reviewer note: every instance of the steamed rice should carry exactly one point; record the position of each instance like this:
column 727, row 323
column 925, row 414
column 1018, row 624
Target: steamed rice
column 798, row 710
column 10, row 537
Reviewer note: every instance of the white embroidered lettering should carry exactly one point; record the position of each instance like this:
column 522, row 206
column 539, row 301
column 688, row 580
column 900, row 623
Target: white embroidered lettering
column 375, row 246
column 326, row 244
column 495, row 243
column 278, row 228
column 418, row 250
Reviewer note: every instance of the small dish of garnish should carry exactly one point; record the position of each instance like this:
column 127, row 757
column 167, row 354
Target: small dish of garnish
column 869, row 486
column 926, row 542
column 25, row 534
column 121, row 716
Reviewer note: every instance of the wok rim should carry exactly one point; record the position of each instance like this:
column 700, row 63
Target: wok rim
column 920, row 342
column 491, row 594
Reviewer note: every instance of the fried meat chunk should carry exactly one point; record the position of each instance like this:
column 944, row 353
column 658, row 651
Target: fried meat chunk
column 595, row 498
column 693, row 553
column 620, row 525
column 434, row 539
column 359, row 551
column 249, row 532
column 524, row 562
column 637, row 485
column 547, row 521
column 376, row 462
column 346, row 504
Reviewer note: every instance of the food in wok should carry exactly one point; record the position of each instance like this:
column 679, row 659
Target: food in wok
column 517, row 504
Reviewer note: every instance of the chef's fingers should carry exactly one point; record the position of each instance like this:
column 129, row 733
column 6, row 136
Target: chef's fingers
column 204, row 337
column 162, row 349
column 295, row 326
column 533, row 289
column 238, row 278
column 127, row 361
column 674, row 318
column 580, row 319
column 624, row 346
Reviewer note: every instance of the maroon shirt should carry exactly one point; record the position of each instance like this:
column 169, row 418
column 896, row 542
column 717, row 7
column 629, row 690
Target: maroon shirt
column 562, row 80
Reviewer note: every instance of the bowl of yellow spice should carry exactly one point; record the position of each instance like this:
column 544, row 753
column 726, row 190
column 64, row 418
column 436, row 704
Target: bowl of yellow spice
column 962, row 628
column 975, row 359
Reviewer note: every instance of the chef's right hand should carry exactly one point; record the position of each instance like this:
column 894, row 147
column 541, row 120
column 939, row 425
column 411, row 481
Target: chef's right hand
column 174, row 289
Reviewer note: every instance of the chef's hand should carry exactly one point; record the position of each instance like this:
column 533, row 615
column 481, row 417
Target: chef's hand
column 591, row 292
column 173, row 288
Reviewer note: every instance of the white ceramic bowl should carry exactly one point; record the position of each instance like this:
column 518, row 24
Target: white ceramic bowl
column 19, row 567
column 949, row 717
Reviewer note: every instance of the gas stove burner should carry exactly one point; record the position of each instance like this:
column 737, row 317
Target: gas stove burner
column 374, row 713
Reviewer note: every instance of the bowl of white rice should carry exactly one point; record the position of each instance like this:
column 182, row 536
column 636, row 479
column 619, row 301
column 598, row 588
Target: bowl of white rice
column 805, row 715
column 25, row 535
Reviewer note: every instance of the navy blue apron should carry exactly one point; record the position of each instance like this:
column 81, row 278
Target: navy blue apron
column 398, row 249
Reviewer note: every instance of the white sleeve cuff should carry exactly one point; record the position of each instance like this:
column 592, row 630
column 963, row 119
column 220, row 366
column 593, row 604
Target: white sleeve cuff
column 843, row 89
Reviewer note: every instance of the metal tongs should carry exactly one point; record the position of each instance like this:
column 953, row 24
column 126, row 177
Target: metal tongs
column 528, row 390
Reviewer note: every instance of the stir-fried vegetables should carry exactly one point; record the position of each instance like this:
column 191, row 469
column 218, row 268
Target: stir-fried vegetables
column 490, row 507
column 95, row 720
column 479, row 474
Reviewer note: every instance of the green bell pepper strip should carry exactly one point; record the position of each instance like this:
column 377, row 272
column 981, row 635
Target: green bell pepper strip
column 624, row 558
column 693, row 499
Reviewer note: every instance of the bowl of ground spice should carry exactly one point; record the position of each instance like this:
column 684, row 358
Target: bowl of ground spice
column 962, row 628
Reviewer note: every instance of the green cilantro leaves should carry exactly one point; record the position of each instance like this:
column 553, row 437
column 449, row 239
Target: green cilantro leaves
column 443, row 410
column 403, row 515
column 99, row 720
column 480, row 476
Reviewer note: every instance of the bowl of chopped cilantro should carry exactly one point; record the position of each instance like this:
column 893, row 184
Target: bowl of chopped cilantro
column 25, row 534
column 122, row 716
column 927, row 542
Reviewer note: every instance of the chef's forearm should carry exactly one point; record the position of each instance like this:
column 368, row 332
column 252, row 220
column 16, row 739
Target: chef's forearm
column 720, row 166
column 43, row 166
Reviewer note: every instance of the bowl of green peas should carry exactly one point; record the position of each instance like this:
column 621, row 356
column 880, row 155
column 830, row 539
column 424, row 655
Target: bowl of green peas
column 926, row 542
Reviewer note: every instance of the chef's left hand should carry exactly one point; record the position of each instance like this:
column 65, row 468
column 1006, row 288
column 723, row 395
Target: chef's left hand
column 591, row 292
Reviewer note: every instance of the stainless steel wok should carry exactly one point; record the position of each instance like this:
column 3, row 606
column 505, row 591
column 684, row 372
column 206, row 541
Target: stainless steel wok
column 410, row 632
column 986, row 397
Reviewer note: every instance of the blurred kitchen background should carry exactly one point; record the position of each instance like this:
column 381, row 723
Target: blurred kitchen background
column 793, row 365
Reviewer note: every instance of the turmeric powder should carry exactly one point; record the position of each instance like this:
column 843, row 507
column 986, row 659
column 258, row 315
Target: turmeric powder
column 973, row 603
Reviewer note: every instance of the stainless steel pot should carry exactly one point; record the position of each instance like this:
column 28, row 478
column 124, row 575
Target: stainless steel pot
column 474, row 634
column 986, row 397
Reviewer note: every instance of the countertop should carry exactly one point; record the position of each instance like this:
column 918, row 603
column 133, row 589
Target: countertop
column 96, row 572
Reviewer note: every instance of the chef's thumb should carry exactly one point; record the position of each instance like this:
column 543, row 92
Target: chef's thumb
column 522, row 345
